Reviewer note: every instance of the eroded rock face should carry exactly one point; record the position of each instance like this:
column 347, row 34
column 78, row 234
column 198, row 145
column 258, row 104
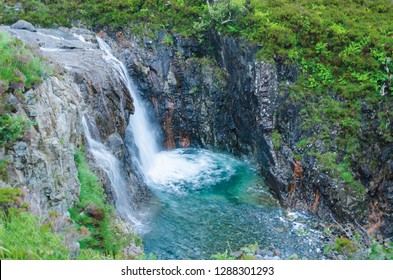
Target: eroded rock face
column 43, row 162
column 82, row 83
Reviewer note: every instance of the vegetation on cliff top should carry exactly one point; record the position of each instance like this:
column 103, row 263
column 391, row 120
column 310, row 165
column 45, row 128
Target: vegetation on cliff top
column 20, row 70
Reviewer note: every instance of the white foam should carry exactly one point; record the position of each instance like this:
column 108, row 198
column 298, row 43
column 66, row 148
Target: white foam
column 180, row 170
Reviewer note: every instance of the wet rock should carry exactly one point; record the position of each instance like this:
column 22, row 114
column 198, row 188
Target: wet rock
column 265, row 253
column 365, row 171
column 237, row 254
column 32, row 113
column 388, row 190
column 275, row 258
column 280, row 230
column 20, row 149
column 133, row 251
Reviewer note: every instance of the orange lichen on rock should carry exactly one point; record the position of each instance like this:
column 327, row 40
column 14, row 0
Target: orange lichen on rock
column 101, row 34
column 184, row 140
column 169, row 142
column 297, row 177
column 315, row 205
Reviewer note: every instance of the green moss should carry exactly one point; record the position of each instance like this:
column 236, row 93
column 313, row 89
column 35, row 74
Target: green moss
column 344, row 245
column 3, row 170
column 168, row 40
column 301, row 144
column 276, row 140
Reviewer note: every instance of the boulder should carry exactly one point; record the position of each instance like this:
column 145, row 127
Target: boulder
column 22, row 24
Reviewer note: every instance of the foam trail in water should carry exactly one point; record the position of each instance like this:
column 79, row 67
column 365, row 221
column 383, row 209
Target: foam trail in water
column 143, row 132
column 111, row 165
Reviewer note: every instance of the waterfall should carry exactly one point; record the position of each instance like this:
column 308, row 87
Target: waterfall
column 139, row 125
column 111, row 165
column 144, row 143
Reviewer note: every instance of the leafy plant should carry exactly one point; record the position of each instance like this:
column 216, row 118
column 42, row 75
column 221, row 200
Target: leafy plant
column 10, row 197
column 222, row 256
column 12, row 128
column 379, row 251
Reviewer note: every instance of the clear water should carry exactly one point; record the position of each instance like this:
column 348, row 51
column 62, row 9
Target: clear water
column 208, row 202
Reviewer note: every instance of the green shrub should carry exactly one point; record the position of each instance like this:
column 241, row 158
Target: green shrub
column 10, row 197
column 12, row 128
column 222, row 256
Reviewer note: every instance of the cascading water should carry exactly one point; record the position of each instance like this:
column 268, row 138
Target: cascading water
column 139, row 125
column 111, row 165
column 204, row 202
column 144, row 141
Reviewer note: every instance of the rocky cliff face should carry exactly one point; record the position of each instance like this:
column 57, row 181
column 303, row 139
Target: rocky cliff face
column 216, row 98
column 83, row 84
column 217, row 95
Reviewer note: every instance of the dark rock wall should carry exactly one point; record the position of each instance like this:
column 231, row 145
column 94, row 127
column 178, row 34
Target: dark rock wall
column 214, row 95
